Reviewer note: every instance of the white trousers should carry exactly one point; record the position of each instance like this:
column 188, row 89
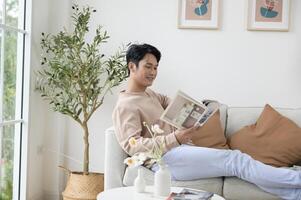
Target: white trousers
column 190, row 162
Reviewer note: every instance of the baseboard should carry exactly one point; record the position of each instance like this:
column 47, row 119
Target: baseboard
column 36, row 197
column 47, row 195
column 51, row 195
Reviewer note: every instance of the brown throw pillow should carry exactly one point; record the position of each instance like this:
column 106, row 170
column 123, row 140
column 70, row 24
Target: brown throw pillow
column 211, row 134
column 273, row 139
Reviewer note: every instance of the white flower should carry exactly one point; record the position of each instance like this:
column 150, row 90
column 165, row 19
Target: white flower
column 155, row 152
column 135, row 160
column 142, row 157
column 132, row 141
column 139, row 160
column 130, row 161
column 156, row 129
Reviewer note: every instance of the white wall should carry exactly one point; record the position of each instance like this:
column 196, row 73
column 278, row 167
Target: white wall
column 233, row 65
column 46, row 127
column 241, row 67
column 37, row 107
column 53, row 176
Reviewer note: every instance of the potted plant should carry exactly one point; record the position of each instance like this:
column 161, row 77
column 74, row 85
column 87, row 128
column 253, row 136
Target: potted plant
column 75, row 77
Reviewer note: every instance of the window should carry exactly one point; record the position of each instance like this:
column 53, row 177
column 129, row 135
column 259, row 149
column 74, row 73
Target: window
column 14, row 90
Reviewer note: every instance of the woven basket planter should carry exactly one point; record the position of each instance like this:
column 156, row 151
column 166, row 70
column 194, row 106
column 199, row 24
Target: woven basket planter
column 83, row 187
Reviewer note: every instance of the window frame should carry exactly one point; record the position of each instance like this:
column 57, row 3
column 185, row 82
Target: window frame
column 21, row 121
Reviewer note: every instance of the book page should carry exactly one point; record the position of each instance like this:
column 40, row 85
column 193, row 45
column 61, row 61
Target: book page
column 212, row 107
column 183, row 111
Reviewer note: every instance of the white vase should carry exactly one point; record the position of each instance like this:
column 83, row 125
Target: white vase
column 162, row 181
column 139, row 182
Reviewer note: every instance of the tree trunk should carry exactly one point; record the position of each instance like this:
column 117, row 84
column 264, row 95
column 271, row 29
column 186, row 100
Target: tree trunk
column 86, row 152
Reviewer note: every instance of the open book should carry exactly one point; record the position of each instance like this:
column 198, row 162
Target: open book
column 190, row 194
column 185, row 112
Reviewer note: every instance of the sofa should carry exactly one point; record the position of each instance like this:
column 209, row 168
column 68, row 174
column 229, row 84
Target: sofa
column 117, row 174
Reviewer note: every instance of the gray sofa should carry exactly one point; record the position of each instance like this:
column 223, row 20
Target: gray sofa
column 231, row 188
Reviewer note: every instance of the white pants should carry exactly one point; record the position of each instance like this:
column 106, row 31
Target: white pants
column 189, row 162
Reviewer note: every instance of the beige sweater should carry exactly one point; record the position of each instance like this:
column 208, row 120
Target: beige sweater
column 134, row 108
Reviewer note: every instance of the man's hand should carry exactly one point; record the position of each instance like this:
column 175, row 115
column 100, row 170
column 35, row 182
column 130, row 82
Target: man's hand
column 184, row 136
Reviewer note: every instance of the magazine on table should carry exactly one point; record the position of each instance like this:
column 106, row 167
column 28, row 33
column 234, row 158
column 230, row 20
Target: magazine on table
column 190, row 194
column 185, row 112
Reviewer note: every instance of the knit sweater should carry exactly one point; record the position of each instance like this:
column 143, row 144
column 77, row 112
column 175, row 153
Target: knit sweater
column 134, row 108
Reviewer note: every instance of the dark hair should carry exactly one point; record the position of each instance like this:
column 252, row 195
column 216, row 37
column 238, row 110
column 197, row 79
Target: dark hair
column 136, row 52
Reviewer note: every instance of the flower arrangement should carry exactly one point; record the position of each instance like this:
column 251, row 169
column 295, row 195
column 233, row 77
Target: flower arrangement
column 155, row 153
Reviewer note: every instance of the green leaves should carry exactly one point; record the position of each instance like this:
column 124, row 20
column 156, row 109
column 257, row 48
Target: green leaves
column 114, row 66
column 76, row 76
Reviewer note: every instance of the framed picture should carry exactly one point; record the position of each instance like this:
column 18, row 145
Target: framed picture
column 198, row 14
column 270, row 15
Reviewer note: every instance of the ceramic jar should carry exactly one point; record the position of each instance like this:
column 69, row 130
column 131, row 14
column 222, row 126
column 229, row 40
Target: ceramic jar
column 162, row 182
column 139, row 182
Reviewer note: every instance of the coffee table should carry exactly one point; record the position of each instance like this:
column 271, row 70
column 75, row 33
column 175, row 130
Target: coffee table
column 128, row 193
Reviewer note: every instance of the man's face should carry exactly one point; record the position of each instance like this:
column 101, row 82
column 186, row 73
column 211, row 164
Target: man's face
column 145, row 74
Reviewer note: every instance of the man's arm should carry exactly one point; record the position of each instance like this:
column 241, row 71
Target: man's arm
column 128, row 124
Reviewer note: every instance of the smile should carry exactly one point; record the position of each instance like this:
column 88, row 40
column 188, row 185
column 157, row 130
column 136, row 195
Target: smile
column 150, row 78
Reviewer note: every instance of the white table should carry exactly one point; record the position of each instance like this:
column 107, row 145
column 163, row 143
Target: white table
column 128, row 193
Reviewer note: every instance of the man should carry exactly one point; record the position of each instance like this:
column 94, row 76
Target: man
column 138, row 104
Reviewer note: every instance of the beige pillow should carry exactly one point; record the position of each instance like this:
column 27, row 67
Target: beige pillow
column 273, row 139
column 211, row 134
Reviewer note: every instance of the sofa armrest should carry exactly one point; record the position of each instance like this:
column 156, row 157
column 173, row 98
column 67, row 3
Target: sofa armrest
column 114, row 157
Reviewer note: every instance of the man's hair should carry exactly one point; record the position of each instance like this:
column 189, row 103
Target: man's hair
column 136, row 52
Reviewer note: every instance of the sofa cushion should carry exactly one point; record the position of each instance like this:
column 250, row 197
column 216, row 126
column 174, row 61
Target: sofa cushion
column 238, row 117
column 223, row 115
column 211, row 134
column 237, row 189
column 273, row 139
column 214, row 185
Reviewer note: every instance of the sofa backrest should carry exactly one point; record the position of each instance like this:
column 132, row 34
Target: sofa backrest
column 238, row 117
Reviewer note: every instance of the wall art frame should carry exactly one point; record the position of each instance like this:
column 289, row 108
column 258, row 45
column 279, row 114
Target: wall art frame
column 268, row 15
column 198, row 14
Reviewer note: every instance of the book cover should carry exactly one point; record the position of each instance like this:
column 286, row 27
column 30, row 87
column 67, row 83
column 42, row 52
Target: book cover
column 190, row 194
column 185, row 112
